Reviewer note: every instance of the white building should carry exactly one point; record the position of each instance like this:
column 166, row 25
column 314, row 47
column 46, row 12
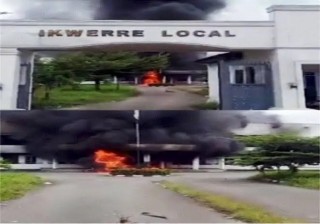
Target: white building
column 277, row 61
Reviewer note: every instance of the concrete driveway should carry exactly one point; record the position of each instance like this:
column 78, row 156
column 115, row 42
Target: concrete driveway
column 283, row 200
column 92, row 198
column 151, row 98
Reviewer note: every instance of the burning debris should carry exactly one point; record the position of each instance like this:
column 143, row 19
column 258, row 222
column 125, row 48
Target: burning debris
column 152, row 78
column 110, row 160
column 108, row 137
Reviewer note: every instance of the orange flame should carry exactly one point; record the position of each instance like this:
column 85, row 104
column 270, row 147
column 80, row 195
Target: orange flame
column 152, row 77
column 110, row 160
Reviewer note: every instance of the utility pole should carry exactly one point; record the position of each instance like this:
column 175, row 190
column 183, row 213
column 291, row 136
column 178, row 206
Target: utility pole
column 137, row 117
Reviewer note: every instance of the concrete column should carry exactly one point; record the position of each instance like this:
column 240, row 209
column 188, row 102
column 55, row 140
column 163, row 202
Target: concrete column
column 222, row 163
column 136, row 80
column 115, row 80
column 22, row 159
column 9, row 78
column 147, row 158
column 164, row 79
column 189, row 80
column 171, row 80
column 196, row 163
column 214, row 83
column 54, row 164
column 162, row 165
column 27, row 58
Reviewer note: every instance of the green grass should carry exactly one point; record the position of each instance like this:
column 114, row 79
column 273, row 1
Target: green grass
column 202, row 91
column 207, row 106
column 303, row 179
column 67, row 97
column 236, row 209
column 15, row 185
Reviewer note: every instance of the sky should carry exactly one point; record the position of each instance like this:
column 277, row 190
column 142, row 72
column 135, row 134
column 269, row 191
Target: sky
column 236, row 9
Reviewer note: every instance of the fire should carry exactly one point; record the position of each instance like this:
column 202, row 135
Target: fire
column 152, row 77
column 110, row 160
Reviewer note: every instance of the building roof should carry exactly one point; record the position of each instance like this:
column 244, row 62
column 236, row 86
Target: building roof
column 219, row 57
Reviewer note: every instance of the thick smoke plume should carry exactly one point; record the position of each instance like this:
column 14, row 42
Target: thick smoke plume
column 158, row 9
column 113, row 9
column 51, row 133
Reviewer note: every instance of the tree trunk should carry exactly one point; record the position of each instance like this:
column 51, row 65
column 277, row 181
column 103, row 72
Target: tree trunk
column 46, row 93
column 97, row 84
column 118, row 86
column 293, row 169
column 278, row 169
column 33, row 91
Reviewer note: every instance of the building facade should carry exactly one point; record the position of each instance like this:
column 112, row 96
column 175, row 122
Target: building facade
column 280, row 56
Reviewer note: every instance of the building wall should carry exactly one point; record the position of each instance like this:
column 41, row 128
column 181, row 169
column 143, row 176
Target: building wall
column 296, row 40
column 288, row 63
column 28, row 33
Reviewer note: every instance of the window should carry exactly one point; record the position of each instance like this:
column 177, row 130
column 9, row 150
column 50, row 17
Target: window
column 239, row 77
column 250, row 75
column 31, row 159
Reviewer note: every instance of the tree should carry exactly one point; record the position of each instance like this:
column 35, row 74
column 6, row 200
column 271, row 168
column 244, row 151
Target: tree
column 5, row 164
column 155, row 62
column 47, row 75
column 96, row 66
column 112, row 63
column 279, row 150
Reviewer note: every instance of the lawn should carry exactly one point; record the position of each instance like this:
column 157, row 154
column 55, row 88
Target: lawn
column 15, row 185
column 207, row 106
column 199, row 90
column 67, row 97
column 303, row 179
column 238, row 210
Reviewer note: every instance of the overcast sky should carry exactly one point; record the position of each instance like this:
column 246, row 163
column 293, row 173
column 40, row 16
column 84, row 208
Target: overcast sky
column 236, row 9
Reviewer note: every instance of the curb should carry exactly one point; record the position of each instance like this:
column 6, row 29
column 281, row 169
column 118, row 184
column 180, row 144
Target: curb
column 109, row 175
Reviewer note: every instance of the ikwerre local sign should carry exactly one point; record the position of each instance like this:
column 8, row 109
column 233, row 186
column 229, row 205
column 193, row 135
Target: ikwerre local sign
column 134, row 33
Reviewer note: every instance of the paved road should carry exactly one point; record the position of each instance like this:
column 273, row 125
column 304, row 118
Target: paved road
column 91, row 198
column 152, row 98
column 283, row 200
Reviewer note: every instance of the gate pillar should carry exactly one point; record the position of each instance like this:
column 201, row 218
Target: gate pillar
column 214, row 83
column 24, row 100
column 9, row 78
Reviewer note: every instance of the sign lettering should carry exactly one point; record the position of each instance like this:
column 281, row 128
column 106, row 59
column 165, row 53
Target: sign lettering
column 135, row 33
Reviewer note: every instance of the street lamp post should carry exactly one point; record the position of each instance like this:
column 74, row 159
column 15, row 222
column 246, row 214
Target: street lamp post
column 137, row 116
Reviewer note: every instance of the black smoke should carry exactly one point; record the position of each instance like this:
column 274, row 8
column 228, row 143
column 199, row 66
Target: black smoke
column 158, row 9
column 49, row 134
column 162, row 10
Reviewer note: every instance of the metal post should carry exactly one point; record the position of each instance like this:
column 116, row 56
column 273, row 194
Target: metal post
column 138, row 142
column 137, row 116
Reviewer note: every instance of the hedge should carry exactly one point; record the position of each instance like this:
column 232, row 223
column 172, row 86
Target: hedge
column 278, row 150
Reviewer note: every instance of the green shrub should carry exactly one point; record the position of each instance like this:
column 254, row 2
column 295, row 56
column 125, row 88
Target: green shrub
column 278, row 150
column 4, row 164
column 143, row 171
column 207, row 106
